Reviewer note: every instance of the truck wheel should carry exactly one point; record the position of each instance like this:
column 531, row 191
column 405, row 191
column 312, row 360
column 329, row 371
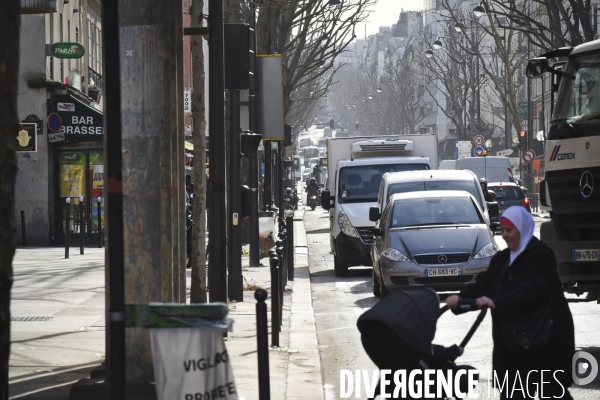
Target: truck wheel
column 340, row 270
column 376, row 287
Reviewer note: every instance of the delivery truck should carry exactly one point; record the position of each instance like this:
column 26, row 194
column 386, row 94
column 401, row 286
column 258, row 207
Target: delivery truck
column 355, row 167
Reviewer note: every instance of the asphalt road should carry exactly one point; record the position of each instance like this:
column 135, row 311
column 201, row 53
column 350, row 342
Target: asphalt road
column 338, row 302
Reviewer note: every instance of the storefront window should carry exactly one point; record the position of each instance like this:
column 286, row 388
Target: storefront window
column 81, row 188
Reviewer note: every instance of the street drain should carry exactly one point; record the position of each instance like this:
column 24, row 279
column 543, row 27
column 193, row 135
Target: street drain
column 29, row 319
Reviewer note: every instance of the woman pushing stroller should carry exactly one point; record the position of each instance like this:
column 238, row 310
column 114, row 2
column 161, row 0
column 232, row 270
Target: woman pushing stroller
column 532, row 326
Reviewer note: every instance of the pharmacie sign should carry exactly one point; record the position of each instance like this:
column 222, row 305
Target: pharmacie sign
column 78, row 121
column 68, row 50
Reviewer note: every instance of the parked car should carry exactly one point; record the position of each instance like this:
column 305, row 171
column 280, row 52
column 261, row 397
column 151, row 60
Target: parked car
column 509, row 194
column 306, row 174
column 436, row 239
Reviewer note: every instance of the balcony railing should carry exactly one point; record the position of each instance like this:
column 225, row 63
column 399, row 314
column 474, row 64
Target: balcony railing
column 38, row 6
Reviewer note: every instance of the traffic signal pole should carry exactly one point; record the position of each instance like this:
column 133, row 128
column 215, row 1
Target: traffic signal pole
column 235, row 283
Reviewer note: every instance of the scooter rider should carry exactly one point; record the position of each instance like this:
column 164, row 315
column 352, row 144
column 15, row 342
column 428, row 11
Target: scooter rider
column 312, row 187
column 488, row 195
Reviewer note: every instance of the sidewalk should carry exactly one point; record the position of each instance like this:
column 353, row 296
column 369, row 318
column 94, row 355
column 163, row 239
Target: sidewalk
column 59, row 332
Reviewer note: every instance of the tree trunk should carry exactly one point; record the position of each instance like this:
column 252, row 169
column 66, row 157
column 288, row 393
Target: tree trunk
column 9, row 73
column 198, row 289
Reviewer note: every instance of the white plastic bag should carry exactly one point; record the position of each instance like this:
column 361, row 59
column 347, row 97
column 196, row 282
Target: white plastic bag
column 192, row 364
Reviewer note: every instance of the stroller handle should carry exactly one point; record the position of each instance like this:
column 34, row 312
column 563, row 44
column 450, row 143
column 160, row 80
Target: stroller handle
column 476, row 324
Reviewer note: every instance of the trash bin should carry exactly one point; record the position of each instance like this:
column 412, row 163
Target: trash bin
column 189, row 354
column 268, row 231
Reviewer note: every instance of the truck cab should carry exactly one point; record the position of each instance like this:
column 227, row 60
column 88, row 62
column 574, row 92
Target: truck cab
column 570, row 190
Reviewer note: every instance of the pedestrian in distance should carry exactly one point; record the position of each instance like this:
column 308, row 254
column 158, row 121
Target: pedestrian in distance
column 532, row 325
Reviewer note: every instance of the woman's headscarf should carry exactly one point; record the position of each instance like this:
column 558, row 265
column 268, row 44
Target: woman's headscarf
column 521, row 219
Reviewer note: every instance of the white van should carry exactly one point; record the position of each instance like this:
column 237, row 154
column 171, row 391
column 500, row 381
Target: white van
column 447, row 164
column 494, row 169
column 414, row 181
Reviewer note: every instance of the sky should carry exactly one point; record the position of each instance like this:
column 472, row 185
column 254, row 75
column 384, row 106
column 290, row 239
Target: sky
column 386, row 13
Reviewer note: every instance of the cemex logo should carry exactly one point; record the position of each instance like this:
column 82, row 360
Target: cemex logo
column 557, row 156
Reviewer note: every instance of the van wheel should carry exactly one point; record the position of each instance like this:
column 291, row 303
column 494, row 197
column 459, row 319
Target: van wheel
column 340, row 270
column 376, row 287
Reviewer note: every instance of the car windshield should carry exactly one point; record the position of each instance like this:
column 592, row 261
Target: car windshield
column 433, row 211
column 360, row 184
column 507, row 192
column 467, row 186
column 578, row 99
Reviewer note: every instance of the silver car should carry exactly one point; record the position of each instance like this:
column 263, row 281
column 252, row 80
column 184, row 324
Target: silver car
column 436, row 239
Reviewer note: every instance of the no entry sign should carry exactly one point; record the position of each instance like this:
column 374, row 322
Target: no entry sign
column 528, row 156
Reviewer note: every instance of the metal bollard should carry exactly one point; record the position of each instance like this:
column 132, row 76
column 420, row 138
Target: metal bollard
column 290, row 247
column 67, row 227
column 81, row 225
column 275, row 325
column 262, row 342
column 281, row 269
column 23, row 235
column 99, row 205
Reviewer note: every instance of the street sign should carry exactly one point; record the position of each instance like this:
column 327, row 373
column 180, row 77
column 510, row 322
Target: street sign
column 504, row 153
column 478, row 140
column 478, row 151
column 528, row 156
column 463, row 149
column 54, row 122
column 523, row 110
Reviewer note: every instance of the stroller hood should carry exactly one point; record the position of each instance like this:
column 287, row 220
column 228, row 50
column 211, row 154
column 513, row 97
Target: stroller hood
column 411, row 315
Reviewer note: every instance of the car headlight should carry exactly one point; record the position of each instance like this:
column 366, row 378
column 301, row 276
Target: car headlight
column 394, row 255
column 487, row 251
column 346, row 225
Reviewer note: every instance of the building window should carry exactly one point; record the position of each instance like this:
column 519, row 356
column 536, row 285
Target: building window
column 99, row 39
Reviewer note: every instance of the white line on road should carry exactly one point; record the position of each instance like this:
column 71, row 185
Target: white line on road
column 335, row 329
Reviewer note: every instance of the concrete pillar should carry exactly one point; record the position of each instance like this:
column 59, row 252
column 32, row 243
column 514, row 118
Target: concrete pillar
column 152, row 163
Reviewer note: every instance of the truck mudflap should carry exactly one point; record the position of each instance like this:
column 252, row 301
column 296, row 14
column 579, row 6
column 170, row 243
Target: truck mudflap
column 578, row 274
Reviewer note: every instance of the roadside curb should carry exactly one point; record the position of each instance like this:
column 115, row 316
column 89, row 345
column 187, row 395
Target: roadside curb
column 304, row 378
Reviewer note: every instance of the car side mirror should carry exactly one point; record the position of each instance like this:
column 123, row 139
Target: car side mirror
column 493, row 210
column 536, row 67
column 326, row 200
column 377, row 231
column 374, row 214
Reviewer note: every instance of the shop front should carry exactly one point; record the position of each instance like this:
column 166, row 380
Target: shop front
column 75, row 130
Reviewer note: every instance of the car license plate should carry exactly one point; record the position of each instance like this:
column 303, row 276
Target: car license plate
column 431, row 272
column 586, row 255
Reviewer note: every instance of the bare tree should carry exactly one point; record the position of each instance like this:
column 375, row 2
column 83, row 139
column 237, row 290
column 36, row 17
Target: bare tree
column 309, row 34
column 9, row 73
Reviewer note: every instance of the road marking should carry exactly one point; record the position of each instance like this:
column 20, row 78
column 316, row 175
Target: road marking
column 43, row 389
column 336, row 329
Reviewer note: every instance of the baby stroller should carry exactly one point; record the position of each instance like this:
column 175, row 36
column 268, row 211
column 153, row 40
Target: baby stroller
column 397, row 334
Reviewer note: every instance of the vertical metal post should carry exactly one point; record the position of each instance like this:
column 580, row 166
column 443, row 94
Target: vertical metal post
column 280, row 181
column 67, row 226
column 81, row 225
column 115, row 317
column 273, row 262
column 236, row 289
column 290, row 247
column 23, row 235
column 217, row 220
column 262, row 342
column 281, row 282
column 99, row 205
column 253, row 159
column 267, row 179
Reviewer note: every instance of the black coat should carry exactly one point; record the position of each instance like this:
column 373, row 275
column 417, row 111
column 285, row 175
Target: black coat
column 531, row 283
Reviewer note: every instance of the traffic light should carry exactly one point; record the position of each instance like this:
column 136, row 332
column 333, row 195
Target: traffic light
column 331, row 123
column 523, row 140
column 356, row 125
